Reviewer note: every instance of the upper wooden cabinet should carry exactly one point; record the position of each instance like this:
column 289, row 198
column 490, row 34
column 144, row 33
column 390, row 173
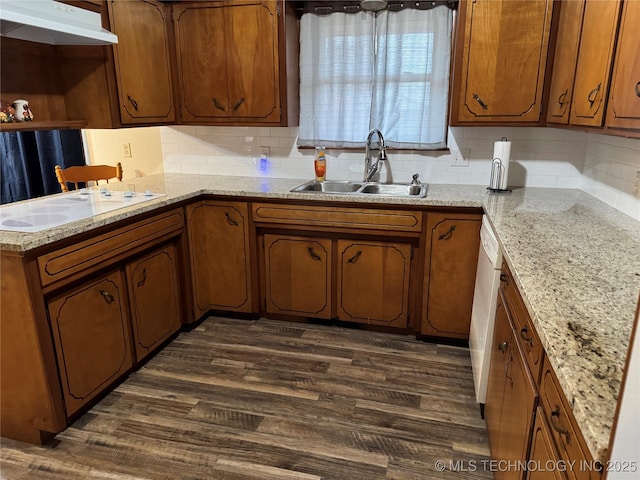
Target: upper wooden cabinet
column 232, row 64
column 142, row 61
column 500, row 61
column 623, row 110
column 564, row 64
column 595, row 56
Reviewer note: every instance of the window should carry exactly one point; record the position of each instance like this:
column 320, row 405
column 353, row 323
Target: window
column 388, row 71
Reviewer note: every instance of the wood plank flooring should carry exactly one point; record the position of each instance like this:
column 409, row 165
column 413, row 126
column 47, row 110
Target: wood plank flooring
column 241, row 400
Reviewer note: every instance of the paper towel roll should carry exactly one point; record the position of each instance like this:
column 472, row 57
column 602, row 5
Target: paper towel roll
column 502, row 150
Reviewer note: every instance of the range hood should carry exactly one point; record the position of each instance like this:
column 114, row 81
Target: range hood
column 51, row 22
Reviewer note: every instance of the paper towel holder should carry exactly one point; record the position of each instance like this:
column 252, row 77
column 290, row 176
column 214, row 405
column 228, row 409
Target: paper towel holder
column 497, row 170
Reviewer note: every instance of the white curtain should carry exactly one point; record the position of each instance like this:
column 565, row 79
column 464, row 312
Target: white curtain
column 388, row 71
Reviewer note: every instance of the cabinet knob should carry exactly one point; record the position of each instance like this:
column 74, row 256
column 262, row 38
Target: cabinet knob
column 477, row 98
column 563, row 97
column 313, row 254
column 554, row 423
column 144, row 278
column 238, row 103
column 133, row 102
column 524, row 335
column 230, row 220
column 107, row 297
column 504, row 278
column 503, row 346
column 355, row 258
column 637, row 89
column 447, row 234
column 593, row 94
column 217, row 104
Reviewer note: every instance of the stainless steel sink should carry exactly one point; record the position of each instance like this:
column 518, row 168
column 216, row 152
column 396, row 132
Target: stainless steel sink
column 329, row 187
column 361, row 188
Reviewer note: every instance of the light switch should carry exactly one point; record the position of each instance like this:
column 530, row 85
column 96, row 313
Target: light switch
column 126, row 150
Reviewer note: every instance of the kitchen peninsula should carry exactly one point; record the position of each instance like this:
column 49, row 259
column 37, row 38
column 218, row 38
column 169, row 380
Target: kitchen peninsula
column 573, row 258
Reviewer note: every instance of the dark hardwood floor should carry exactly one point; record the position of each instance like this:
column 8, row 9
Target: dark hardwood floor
column 240, row 400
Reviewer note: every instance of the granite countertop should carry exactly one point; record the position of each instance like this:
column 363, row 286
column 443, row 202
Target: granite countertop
column 574, row 258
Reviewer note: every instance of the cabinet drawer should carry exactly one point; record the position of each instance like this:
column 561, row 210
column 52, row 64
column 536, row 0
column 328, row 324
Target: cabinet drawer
column 564, row 430
column 370, row 219
column 69, row 262
column 524, row 329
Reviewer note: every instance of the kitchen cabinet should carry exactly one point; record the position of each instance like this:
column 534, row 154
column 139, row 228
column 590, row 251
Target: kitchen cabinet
column 451, row 258
column 564, row 64
column 623, row 109
column 232, row 62
column 142, row 61
column 90, row 328
column 499, row 45
column 220, row 256
column 298, row 275
column 373, row 282
column 597, row 43
column 511, row 397
column 154, row 293
column 342, row 267
column 543, row 452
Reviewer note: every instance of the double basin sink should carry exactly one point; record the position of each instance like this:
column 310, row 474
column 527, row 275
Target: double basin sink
column 334, row 187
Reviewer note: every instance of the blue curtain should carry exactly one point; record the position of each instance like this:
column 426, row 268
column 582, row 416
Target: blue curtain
column 28, row 161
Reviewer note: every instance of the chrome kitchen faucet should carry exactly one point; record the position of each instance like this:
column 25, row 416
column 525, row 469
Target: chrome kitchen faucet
column 370, row 169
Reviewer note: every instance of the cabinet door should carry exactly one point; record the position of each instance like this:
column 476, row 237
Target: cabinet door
column 503, row 61
column 623, row 110
column 228, row 61
column 564, row 64
column 202, row 60
column 543, row 452
column 155, row 299
column 502, row 339
column 220, row 256
column 142, row 61
column 450, row 271
column 594, row 61
column 252, row 61
column 297, row 275
column 373, row 282
column 91, row 334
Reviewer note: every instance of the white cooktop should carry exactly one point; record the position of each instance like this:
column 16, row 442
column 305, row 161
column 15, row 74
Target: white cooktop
column 47, row 212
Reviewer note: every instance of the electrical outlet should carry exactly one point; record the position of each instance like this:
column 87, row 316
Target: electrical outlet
column 126, row 150
column 460, row 158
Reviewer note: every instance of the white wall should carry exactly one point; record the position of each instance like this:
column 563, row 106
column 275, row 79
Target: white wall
column 604, row 166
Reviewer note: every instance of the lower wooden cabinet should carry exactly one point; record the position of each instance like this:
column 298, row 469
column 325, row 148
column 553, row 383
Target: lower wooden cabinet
column 451, row 258
column 543, row 452
column 511, row 398
column 155, row 299
column 220, row 257
column 90, row 329
column 373, row 282
column 297, row 275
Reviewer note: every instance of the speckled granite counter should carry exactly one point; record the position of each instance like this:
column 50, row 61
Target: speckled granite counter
column 575, row 261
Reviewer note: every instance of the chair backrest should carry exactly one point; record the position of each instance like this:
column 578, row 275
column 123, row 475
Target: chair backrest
column 87, row 173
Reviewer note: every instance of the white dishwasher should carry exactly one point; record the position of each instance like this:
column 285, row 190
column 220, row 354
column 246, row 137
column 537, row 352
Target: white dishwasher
column 484, row 309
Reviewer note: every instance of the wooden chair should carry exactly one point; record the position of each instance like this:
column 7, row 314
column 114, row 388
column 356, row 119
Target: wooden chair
column 87, row 173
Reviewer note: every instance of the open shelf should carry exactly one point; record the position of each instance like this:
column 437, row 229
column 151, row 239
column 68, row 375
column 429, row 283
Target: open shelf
column 30, row 126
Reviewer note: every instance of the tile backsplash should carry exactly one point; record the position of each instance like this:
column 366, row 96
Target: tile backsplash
column 604, row 166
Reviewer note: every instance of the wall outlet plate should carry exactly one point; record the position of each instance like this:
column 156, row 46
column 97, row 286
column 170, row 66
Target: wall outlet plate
column 460, row 158
column 126, row 150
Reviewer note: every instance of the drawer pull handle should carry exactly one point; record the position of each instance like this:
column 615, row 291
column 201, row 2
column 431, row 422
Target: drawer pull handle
column 313, row 254
column 230, row 220
column 217, row 104
column 562, row 99
column 107, row 297
column 144, row 278
column 477, row 98
column 133, row 102
column 447, row 234
column 503, row 346
column 637, row 89
column 238, row 103
column 562, row 431
column 355, row 258
column 593, row 94
column 524, row 336
column 504, row 278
